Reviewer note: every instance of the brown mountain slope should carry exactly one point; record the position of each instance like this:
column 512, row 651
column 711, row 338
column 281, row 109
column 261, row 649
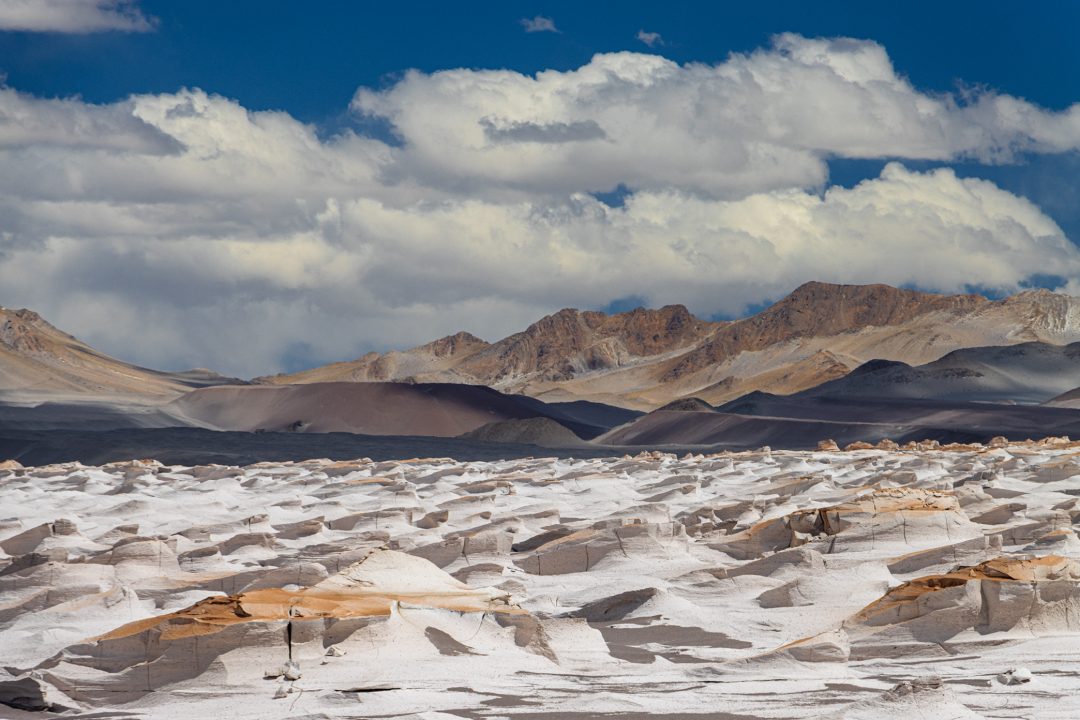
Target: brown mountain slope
column 558, row 347
column 38, row 361
column 646, row 358
column 434, row 361
column 641, row 359
column 789, row 357
column 571, row 342
column 818, row 310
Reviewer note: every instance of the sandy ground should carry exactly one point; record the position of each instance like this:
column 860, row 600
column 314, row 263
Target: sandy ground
column 867, row 584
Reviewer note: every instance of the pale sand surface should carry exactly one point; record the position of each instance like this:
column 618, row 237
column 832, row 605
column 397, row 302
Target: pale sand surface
column 867, row 584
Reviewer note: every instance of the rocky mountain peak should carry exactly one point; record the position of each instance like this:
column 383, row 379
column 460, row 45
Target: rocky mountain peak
column 459, row 343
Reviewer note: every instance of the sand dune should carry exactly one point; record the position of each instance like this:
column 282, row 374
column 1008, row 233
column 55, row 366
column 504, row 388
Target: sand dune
column 864, row 584
column 949, row 400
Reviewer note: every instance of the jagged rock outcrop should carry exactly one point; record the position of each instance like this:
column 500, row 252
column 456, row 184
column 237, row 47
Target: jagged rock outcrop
column 818, row 309
column 1037, row 595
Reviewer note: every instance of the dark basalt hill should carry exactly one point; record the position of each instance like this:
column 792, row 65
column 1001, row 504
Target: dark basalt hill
column 430, row 409
column 690, row 404
column 541, row 431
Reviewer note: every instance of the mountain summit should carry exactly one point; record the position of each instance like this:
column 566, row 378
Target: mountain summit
column 39, row 361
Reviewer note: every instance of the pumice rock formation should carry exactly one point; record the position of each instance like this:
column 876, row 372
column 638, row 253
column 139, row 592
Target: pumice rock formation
column 874, row 582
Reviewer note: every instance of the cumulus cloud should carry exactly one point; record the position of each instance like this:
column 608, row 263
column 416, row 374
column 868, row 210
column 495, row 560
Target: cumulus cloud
column 183, row 229
column 539, row 24
column 73, row 16
column 765, row 120
column 652, row 39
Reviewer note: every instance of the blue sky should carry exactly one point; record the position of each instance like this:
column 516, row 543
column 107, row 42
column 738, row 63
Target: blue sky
column 320, row 178
column 309, row 58
column 287, row 56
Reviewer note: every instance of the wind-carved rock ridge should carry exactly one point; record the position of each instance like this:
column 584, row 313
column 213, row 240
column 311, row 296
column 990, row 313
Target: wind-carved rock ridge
column 826, row 579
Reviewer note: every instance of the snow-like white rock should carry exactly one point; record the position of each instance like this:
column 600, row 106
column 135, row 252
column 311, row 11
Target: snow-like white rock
column 929, row 583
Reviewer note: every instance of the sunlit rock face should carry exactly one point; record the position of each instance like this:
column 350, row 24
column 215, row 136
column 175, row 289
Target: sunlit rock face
column 883, row 582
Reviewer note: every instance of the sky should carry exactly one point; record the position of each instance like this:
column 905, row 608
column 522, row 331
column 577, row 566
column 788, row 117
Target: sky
column 260, row 187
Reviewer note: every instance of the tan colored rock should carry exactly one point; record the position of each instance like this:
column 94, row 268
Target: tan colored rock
column 998, row 441
column 367, row 588
column 1003, row 569
column 963, row 447
column 883, row 511
column 858, row 445
column 887, row 444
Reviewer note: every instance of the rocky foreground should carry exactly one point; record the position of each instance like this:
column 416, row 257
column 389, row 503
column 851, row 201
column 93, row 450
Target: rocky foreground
column 872, row 583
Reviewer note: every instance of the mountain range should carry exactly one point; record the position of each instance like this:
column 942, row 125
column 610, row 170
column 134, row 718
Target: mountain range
column 646, row 358
column 842, row 361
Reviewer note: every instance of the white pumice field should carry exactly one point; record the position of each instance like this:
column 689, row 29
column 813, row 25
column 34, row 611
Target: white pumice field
column 929, row 583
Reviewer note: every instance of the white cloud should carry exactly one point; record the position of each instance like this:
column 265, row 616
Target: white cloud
column 759, row 121
column 539, row 24
column 73, row 16
column 652, row 39
column 185, row 230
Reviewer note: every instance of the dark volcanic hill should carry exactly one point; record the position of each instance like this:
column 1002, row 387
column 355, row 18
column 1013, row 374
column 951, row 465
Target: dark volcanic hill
column 430, row 409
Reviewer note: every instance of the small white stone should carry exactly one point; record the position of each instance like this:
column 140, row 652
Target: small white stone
column 291, row 670
column 1016, row 676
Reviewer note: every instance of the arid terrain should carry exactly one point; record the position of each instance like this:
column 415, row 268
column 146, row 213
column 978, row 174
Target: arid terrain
column 539, row 361
column 930, row 582
column 646, row 358
column 847, row 362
